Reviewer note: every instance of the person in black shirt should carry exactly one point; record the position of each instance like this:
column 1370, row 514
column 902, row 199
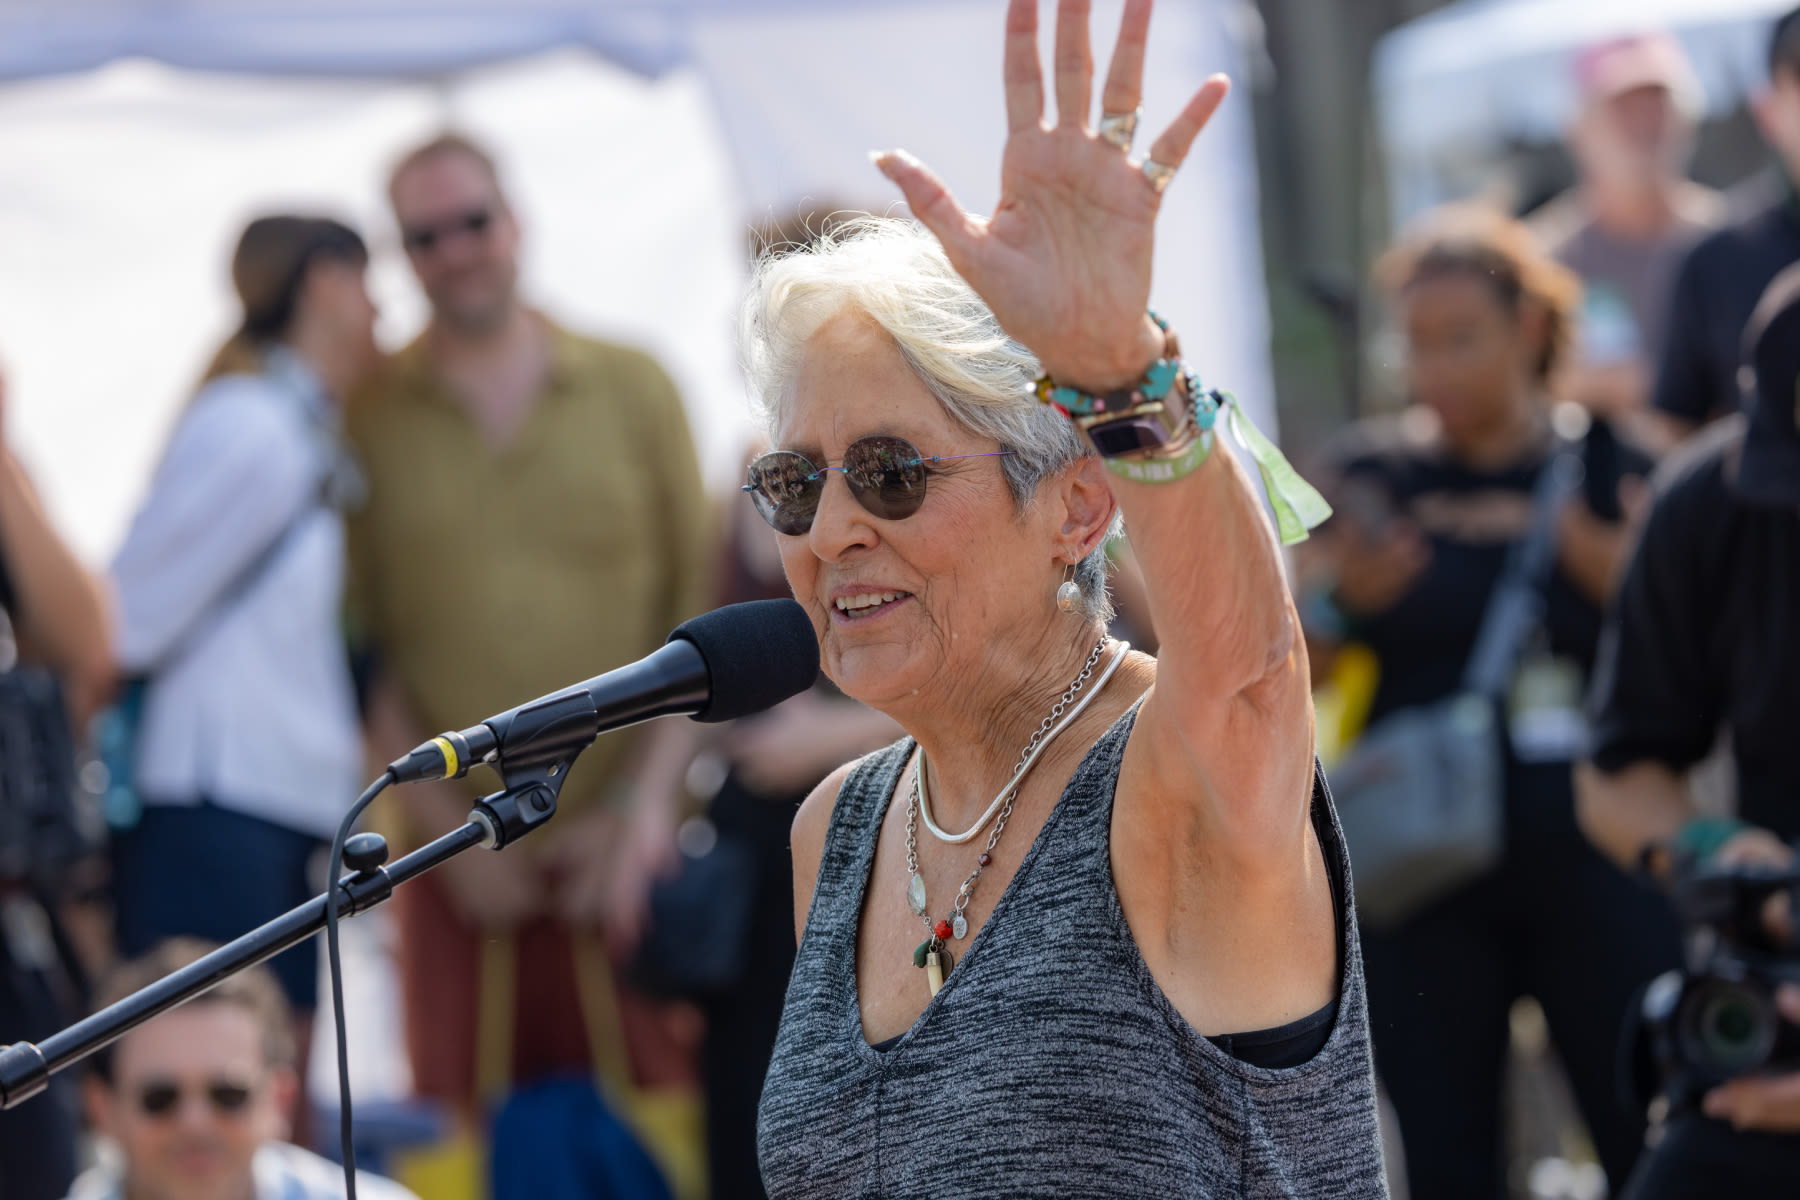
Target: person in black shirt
column 55, row 614
column 1429, row 506
column 1724, row 274
column 1705, row 634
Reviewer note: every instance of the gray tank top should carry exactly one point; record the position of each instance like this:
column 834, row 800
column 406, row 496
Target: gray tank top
column 1051, row 1063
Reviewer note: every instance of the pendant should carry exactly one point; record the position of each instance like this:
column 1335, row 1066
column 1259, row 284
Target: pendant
column 959, row 927
column 915, row 894
column 936, row 963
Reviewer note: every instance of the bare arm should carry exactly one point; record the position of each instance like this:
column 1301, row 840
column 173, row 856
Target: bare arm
column 61, row 619
column 1624, row 812
column 1232, row 708
column 1591, row 551
column 1065, row 264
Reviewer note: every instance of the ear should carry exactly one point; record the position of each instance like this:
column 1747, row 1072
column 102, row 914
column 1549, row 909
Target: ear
column 97, row 1102
column 1534, row 329
column 284, row 1092
column 1087, row 508
column 1762, row 110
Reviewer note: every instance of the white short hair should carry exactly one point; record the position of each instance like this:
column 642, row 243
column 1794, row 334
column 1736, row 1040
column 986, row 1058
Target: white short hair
column 894, row 272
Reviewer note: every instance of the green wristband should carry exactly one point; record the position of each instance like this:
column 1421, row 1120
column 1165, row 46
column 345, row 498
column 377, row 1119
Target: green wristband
column 1702, row 836
column 1163, row 470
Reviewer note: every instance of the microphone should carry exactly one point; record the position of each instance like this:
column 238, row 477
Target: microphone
column 725, row 664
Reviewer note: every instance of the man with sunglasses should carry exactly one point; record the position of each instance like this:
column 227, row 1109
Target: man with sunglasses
column 194, row 1104
column 535, row 513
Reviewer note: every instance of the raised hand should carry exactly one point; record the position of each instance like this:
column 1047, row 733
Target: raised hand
column 1065, row 260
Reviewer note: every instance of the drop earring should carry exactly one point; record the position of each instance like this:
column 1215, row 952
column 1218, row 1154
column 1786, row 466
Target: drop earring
column 1068, row 596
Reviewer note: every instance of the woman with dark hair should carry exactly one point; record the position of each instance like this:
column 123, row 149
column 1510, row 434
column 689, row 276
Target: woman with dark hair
column 228, row 592
column 1430, row 504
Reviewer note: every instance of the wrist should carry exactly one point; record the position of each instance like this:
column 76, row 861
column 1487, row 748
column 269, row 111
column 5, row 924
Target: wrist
column 1115, row 365
column 1702, row 837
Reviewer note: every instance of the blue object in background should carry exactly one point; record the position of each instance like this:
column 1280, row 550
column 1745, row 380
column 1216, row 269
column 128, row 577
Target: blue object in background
column 557, row 1140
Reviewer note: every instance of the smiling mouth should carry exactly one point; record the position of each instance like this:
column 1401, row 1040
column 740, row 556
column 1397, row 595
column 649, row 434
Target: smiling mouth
column 868, row 604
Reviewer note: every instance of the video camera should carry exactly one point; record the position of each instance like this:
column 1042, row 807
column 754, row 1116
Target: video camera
column 1717, row 1020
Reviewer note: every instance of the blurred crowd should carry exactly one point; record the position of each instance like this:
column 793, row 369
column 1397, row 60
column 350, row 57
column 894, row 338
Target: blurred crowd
column 295, row 605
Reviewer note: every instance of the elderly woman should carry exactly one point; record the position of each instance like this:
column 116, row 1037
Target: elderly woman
column 1086, row 930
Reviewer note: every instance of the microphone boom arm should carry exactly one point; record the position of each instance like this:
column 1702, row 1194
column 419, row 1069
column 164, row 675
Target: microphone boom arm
column 496, row 821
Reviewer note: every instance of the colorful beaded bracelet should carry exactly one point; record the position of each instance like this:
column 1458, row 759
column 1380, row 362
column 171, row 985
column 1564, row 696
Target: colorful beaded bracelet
column 1132, row 430
column 1154, row 386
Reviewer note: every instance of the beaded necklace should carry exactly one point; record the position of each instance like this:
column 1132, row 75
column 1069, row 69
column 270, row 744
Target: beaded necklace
column 931, row 954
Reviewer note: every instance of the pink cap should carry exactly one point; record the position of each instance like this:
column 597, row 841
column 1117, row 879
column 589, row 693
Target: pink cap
column 1647, row 60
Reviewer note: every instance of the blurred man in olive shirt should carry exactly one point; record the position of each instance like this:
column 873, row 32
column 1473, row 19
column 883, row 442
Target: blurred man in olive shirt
column 536, row 516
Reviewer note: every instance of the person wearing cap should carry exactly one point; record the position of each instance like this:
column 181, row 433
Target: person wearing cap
column 226, row 600
column 1722, row 277
column 1630, row 218
column 1703, row 637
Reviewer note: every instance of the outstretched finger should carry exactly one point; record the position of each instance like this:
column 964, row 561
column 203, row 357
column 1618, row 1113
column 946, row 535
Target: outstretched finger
column 1125, row 77
column 931, row 202
column 1172, row 147
column 1074, row 64
column 1024, row 75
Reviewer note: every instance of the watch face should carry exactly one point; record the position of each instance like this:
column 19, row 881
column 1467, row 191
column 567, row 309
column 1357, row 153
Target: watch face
column 1127, row 435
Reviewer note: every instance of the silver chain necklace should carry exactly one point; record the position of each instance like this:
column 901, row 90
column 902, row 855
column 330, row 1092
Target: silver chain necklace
column 931, row 953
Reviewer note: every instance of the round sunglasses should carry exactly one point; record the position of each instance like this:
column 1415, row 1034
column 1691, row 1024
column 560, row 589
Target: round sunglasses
column 886, row 475
column 161, row 1098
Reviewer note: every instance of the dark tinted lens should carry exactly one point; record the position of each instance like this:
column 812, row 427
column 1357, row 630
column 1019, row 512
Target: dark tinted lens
column 159, row 1099
column 886, row 475
column 785, row 488
column 228, row 1097
column 425, row 239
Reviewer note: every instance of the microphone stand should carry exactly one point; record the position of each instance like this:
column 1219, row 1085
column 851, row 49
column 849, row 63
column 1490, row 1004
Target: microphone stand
column 497, row 821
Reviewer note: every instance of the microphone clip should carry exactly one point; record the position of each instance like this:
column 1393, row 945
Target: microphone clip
column 533, row 781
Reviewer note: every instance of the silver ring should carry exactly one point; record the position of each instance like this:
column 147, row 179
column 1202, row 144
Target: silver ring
column 1120, row 128
column 1157, row 173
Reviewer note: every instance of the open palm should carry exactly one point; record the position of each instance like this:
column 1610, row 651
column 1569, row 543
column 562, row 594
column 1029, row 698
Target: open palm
column 1065, row 261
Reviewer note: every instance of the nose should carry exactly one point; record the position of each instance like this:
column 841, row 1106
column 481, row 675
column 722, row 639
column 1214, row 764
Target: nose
column 840, row 524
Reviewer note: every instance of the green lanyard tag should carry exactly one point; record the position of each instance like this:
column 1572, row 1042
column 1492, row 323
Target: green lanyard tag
column 1297, row 504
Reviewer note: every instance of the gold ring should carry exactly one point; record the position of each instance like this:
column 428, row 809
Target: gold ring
column 1157, row 173
column 1120, row 128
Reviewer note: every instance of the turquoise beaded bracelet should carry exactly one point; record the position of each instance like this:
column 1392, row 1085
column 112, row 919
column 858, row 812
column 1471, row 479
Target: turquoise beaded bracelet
column 1154, row 386
column 1165, row 450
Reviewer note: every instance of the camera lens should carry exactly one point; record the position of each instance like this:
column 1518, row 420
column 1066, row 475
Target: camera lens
column 1728, row 1028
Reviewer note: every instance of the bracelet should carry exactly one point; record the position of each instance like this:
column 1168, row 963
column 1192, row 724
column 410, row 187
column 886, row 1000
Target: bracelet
column 1165, row 467
column 1703, row 836
column 1158, row 379
column 1143, row 437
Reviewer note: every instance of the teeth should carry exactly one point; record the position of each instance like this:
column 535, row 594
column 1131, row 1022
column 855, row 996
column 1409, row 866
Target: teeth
column 866, row 600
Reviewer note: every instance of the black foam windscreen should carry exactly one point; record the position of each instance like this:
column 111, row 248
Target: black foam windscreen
column 757, row 655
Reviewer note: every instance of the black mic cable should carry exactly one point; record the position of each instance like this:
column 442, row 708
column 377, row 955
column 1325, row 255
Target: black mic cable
column 728, row 663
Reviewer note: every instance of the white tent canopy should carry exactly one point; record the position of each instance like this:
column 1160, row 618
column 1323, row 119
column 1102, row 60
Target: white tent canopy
column 638, row 140
column 1454, row 86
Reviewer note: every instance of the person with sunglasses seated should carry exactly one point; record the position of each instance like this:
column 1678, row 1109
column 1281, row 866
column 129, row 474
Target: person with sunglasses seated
column 194, row 1104
column 1087, row 927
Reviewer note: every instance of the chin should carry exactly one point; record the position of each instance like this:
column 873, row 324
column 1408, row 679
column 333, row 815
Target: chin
column 876, row 675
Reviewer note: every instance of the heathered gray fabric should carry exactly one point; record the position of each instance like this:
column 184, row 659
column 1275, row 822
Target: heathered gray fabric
column 1051, row 1063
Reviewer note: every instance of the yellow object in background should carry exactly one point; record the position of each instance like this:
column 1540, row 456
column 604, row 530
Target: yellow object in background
column 453, row 1169
column 1341, row 704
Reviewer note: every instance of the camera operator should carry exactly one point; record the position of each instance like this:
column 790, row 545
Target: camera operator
column 1704, row 635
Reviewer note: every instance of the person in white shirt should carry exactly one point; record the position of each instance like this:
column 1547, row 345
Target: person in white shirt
column 227, row 603
column 193, row 1104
